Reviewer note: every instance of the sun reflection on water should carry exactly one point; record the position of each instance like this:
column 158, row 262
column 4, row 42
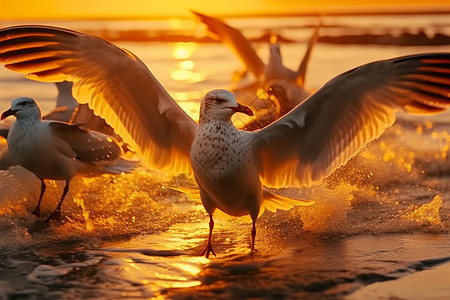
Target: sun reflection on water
column 140, row 263
column 185, row 67
column 183, row 51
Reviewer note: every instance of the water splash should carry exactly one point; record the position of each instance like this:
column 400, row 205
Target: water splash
column 329, row 213
column 425, row 214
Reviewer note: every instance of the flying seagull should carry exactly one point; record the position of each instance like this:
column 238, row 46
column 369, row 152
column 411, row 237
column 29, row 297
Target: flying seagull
column 289, row 85
column 264, row 72
column 231, row 166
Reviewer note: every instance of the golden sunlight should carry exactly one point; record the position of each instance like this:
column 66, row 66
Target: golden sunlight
column 102, row 9
column 186, row 65
column 183, row 50
column 185, row 71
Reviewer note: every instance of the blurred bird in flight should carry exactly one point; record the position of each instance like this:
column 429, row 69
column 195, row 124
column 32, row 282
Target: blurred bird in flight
column 276, row 88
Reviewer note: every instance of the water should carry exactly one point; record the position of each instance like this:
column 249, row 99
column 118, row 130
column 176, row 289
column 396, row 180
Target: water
column 379, row 223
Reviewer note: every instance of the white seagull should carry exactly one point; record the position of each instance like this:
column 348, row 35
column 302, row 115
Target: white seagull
column 65, row 107
column 66, row 110
column 231, row 166
column 55, row 150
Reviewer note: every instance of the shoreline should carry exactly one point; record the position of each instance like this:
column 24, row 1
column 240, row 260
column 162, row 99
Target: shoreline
column 430, row 283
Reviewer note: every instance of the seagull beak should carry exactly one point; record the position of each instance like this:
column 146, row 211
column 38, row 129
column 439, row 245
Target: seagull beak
column 7, row 113
column 243, row 109
column 262, row 94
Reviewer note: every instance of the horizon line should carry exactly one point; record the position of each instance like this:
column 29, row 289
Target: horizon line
column 343, row 12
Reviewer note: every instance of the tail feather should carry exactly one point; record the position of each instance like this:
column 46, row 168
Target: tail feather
column 272, row 202
column 120, row 165
column 192, row 192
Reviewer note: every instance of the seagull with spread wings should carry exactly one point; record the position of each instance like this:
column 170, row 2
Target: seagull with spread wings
column 274, row 69
column 231, row 166
column 284, row 88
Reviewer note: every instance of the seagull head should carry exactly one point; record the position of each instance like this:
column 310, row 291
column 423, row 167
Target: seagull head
column 21, row 108
column 278, row 89
column 221, row 105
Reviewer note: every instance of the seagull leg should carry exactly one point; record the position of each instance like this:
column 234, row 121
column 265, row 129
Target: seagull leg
column 253, row 238
column 56, row 215
column 208, row 249
column 37, row 211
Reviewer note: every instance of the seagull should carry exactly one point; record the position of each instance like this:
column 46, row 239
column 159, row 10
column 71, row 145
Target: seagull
column 277, row 88
column 55, row 150
column 242, row 47
column 274, row 101
column 65, row 103
column 232, row 167
column 67, row 110
column 65, row 107
column 287, row 94
column 274, row 69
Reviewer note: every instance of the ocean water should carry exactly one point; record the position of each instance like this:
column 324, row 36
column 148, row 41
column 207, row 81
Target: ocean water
column 379, row 228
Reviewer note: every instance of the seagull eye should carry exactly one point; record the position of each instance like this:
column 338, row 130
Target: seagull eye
column 23, row 103
column 219, row 100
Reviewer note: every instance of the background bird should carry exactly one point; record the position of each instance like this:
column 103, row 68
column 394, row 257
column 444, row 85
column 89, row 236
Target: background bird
column 55, row 150
column 266, row 75
column 65, row 103
column 304, row 146
column 243, row 48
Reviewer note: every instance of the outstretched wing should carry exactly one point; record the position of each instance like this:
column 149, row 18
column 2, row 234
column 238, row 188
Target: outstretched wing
column 115, row 84
column 301, row 72
column 354, row 108
column 236, row 41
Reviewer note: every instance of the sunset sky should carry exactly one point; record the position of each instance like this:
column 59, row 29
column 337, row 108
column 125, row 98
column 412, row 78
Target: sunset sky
column 91, row 9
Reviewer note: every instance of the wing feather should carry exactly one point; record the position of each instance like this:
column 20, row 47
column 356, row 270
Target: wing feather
column 85, row 145
column 113, row 82
column 240, row 45
column 301, row 72
column 354, row 108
